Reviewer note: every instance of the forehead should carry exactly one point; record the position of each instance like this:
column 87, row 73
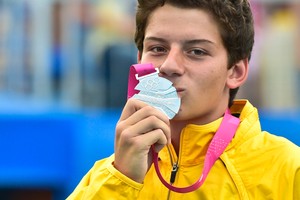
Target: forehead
column 175, row 23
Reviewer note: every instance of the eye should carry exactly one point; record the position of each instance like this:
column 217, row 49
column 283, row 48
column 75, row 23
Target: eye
column 158, row 49
column 197, row 52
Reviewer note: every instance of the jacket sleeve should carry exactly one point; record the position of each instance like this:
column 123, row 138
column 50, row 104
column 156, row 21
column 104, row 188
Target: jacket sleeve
column 104, row 181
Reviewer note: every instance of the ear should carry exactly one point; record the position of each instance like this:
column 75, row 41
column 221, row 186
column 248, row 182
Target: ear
column 238, row 74
column 139, row 57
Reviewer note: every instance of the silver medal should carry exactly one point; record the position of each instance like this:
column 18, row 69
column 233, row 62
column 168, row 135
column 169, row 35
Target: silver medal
column 159, row 93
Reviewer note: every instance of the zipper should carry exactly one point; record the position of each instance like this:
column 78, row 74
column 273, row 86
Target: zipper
column 173, row 176
column 174, row 172
column 175, row 167
column 175, row 164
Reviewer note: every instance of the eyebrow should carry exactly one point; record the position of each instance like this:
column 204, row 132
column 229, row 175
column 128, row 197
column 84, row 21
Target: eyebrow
column 155, row 39
column 185, row 42
column 199, row 41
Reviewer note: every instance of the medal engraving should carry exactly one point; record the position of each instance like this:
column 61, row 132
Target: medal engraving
column 159, row 93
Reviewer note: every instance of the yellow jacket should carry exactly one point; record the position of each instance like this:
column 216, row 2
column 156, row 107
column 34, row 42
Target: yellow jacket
column 255, row 165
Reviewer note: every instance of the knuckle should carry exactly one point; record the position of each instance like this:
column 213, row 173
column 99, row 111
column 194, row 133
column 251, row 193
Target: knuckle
column 152, row 119
column 136, row 143
column 149, row 109
column 128, row 140
column 160, row 131
column 130, row 101
column 125, row 135
column 120, row 127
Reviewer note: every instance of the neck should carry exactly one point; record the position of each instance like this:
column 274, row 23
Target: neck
column 176, row 128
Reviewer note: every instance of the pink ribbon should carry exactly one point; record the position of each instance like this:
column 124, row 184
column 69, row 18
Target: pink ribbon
column 140, row 70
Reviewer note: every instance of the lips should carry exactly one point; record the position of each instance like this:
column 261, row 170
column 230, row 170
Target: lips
column 180, row 91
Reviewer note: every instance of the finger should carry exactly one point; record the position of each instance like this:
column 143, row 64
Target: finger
column 156, row 138
column 141, row 111
column 142, row 127
column 149, row 124
column 132, row 105
column 145, row 111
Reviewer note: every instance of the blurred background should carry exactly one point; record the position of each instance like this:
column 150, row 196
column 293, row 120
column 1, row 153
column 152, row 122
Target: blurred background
column 63, row 81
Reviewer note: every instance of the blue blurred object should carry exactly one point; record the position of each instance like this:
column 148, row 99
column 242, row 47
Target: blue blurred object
column 282, row 123
column 36, row 151
column 54, row 150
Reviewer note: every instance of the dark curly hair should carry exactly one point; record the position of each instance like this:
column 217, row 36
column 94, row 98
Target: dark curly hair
column 234, row 18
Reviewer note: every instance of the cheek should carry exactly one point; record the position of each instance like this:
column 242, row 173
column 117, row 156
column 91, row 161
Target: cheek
column 205, row 78
column 146, row 59
column 212, row 80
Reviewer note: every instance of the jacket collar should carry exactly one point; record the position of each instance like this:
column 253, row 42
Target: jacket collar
column 195, row 139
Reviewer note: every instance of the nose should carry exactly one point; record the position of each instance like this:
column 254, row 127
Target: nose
column 173, row 64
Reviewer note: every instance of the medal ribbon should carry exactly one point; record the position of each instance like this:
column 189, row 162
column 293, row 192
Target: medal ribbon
column 140, row 70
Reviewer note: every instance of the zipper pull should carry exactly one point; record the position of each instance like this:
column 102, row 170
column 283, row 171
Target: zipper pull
column 173, row 173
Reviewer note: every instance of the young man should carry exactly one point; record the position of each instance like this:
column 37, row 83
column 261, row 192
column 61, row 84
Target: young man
column 203, row 48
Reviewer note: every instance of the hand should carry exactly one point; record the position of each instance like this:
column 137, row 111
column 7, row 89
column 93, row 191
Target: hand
column 140, row 126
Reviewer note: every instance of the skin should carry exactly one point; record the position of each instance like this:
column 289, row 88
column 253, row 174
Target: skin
column 186, row 46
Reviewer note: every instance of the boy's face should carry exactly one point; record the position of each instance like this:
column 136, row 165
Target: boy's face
column 185, row 44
